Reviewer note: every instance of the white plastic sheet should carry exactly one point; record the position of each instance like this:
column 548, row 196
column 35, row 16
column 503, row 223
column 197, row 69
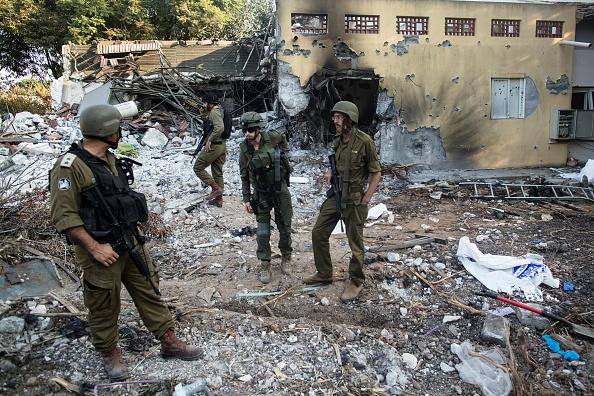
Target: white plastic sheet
column 506, row 273
column 492, row 380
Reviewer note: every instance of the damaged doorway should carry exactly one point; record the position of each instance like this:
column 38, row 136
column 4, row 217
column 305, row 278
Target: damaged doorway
column 359, row 87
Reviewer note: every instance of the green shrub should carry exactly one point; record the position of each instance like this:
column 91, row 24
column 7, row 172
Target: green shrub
column 27, row 95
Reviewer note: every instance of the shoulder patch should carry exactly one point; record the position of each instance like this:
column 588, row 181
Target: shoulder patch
column 67, row 160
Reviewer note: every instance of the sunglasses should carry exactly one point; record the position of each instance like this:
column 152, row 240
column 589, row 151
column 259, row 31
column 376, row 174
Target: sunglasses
column 250, row 129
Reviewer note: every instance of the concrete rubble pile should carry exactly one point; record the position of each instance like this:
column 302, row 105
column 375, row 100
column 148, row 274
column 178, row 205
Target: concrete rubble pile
column 419, row 327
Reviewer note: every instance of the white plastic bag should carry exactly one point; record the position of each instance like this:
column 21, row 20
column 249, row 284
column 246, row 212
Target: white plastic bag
column 492, row 380
column 506, row 273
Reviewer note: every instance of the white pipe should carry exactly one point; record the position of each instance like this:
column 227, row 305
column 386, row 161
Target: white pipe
column 575, row 43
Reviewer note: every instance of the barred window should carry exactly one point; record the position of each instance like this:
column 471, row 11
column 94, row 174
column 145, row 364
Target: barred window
column 459, row 26
column 505, row 27
column 367, row 24
column 309, row 23
column 549, row 28
column 412, row 25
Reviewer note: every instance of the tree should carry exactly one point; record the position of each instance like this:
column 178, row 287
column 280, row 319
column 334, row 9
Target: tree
column 32, row 32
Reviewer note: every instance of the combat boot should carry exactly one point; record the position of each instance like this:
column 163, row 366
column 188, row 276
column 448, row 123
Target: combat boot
column 173, row 347
column 216, row 191
column 265, row 274
column 351, row 290
column 286, row 264
column 317, row 278
column 218, row 201
column 112, row 362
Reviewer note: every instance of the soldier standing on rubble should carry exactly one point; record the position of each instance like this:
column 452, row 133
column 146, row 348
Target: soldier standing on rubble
column 356, row 163
column 83, row 182
column 214, row 152
column 265, row 171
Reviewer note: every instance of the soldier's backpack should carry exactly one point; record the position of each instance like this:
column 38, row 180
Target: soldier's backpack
column 227, row 120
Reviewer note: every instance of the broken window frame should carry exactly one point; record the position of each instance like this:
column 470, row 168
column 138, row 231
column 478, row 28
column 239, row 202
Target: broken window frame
column 409, row 25
column 300, row 18
column 511, row 27
column 511, row 97
column 458, row 26
column 364, row 24
column 545, row 29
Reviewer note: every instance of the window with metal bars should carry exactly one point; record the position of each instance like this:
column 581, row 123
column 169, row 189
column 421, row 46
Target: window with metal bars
column 505, row 27
column 309, row 23
column 412, row 25
column 366, row 24
column 549, row 28
column 459, row 26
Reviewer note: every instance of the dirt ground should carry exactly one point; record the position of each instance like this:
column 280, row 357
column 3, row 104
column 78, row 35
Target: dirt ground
column 398, row 312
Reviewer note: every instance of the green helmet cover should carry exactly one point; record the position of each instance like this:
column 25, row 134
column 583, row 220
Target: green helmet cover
column 100, row 121
column 251, row 119
column 348, row 108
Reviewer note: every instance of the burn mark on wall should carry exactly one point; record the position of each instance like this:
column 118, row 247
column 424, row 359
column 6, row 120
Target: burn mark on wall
column 445, row 44
column 530, row 97
column 292, row 96
column 343, row 52
column 559, row 86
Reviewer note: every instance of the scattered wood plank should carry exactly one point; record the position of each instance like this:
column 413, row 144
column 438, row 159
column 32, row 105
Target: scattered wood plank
column 402, row 245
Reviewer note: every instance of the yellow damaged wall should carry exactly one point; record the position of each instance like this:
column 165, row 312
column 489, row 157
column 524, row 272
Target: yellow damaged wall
column 431, row 98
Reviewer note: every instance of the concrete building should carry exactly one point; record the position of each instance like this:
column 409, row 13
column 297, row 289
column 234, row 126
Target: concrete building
column 440, row 82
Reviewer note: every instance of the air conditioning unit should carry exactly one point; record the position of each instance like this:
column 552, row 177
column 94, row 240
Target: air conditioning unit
column 571, row 124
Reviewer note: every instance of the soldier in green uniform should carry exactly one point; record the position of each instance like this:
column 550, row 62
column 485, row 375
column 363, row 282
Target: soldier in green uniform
column 265, row 170
column 214, row 152
column 357, row 164
column 81, row 181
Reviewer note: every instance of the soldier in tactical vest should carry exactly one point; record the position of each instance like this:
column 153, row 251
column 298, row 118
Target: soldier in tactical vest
column 356, row 163
column 265, row 171
column 93, row 204
column 214, row 152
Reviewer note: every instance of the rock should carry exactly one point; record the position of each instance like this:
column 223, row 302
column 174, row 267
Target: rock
column 450, row 318
column 324, row 301
column 409, row 360
column 495, row 329
column 396, row 377
column 39, row 309
column 530, row 319
column 393, row 257
column 347, row 334
column 403, row 311
column 245, row 378
column 480, row 238
column 292, row 339
column 446, row 368
column 439, row 266
column 154, row 138
column 7, row 366
column 206, row 295
column 12, row 324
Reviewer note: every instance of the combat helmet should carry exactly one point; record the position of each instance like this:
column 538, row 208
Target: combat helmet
column 348, row 108
column 251, row 119
column 100, row 121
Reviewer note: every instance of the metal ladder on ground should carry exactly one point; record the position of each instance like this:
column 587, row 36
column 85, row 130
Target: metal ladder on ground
column 530, row 191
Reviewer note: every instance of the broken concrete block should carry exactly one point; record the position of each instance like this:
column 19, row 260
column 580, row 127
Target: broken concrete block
column 495, row 329
column 530, row 319
column 12, row 324
column 154, row 138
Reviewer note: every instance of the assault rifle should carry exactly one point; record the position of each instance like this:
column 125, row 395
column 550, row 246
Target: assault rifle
column 336, row 182
column 207, row 127
column 124, row 242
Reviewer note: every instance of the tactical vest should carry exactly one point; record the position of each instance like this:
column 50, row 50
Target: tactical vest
column 127, row 206
column 270, row 167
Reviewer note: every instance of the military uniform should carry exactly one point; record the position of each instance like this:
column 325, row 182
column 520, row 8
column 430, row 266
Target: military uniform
column 70, row 180
column 218, row 152
column 355, row 161
column 257, row 168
